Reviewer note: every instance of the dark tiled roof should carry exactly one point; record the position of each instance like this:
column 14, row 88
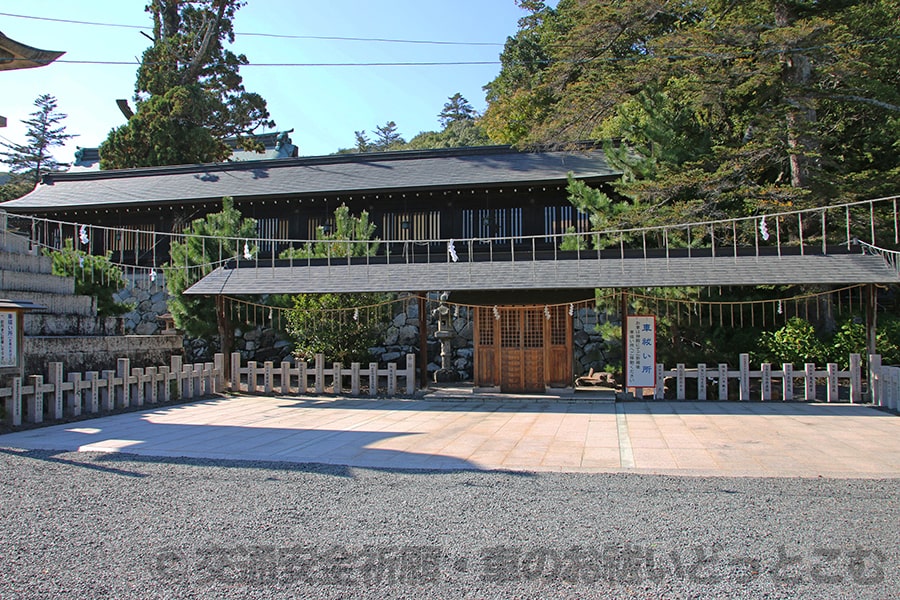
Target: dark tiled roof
column 338, row 174
column 834, row 269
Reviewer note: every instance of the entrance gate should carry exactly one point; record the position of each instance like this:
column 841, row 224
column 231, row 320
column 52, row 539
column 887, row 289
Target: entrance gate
column 523, row 348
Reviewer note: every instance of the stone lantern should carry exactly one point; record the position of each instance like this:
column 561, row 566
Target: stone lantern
column 444, row 334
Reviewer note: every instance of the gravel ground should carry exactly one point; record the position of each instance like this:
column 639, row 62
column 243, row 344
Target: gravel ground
column 121, row 526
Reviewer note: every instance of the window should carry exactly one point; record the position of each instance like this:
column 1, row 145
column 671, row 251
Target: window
column 533, row 335
column 510, row 329
column 557, row 219
column 425, row 226
column 134, row 238
column 485, row 326
column 272, row 234
column 558, row 316
column 488, row 224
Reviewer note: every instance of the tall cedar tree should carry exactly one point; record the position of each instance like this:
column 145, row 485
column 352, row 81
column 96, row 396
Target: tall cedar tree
column 457, row 108
column 189, row 93
column 387, row 138
column 31, row 160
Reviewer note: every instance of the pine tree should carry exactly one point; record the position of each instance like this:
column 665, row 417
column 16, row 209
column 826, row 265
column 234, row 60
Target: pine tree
column 387, row 138
column 321, row 323
column 718, row 108
column 362, row 141
column 456, row 109
column 207, row 242
column 33, row 159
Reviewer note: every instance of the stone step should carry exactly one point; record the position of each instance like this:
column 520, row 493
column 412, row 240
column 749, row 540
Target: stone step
column 61, row 304
column 15, row 281
column 14, row 243
column 45, row 324
column 25, row 263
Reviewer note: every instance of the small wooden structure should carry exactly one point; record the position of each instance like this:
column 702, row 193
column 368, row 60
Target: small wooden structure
column 12, row 327
column 523, row 348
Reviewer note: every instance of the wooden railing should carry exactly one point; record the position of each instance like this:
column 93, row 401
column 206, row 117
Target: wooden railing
column 715, row 382
column 36, row 399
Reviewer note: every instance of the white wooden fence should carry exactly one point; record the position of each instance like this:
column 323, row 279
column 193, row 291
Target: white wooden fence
column 57, row 397
column 716, row 381
column 885, row 384
column 36, row 399
column 288, row 378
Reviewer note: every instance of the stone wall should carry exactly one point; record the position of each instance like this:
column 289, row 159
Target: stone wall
column 258, row 343
column 590, row 348
column 96, row 353
column 149, row 301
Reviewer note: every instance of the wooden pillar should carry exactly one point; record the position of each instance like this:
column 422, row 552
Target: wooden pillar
column 624, row 316
column 871, row 312
column 423, row 342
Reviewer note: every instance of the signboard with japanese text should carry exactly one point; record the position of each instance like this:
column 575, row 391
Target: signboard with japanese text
column 9, row 339
column 640, row 351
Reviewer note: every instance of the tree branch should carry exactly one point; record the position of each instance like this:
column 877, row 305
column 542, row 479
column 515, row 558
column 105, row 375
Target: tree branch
column 200, row 58
column 864, row 100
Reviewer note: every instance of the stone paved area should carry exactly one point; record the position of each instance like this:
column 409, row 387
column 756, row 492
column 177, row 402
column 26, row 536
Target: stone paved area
column 689, row 438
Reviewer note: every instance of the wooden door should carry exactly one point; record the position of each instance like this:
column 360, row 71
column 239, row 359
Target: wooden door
column 533, row 334
column 523, row 351
column 487, row 352
column 558, row 347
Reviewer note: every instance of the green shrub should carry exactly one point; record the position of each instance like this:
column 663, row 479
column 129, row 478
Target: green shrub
column 94, row 276
column 327, row 324
column 796, row 343
column 850, row 338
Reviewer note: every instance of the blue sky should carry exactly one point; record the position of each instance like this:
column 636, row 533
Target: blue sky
column 323, row 104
